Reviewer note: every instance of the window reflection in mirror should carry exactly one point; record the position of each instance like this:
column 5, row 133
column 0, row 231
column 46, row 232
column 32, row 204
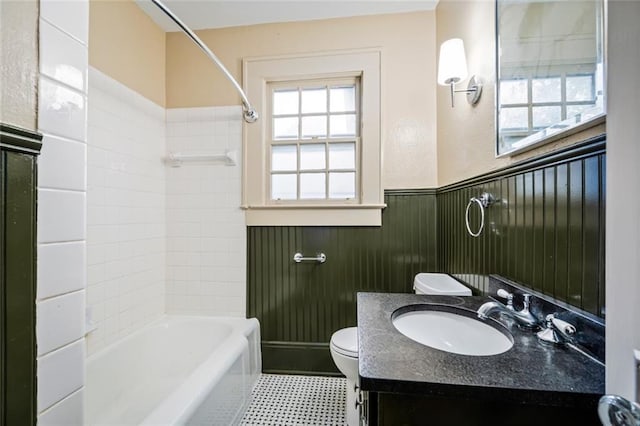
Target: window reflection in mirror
column 550, row 70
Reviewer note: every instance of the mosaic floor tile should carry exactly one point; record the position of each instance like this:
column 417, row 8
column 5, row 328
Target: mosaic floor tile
column 285, row 400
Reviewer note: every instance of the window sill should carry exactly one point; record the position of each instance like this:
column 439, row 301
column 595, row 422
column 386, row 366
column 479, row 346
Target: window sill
column 315, row 215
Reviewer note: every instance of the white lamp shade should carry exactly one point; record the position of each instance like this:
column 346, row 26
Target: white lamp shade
column 452, row 64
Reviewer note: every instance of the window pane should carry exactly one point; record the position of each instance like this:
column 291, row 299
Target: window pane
column 312, row 186
column 314, row 100
column 342, row 99
column 513, row 92
column 285, row 102
column 285, row 128
column 342, row 185
column 312, row 157
column 546, row 116
column 342, row 156
column 514, row 118
column 546, row 89
column 573, row 110
column 314, row 127
column 283, row 158
column 579, row 88
column 283, row 187
column 342, row 125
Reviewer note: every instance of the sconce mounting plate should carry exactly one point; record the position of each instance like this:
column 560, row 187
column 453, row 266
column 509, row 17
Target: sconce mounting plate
column 474, row 90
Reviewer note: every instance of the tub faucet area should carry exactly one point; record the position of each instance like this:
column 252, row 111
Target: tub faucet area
column 523, row 317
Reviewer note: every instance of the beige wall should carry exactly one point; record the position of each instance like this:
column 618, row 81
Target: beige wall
column 19, row 63
column 408, row 76
column 127, row 45
column 426, row 143
column 466, row 134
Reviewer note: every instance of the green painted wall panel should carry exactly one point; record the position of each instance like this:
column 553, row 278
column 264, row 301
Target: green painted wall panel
column 549, row 231
column 305, row 303
column 546, row 231
column 559, row 289
column 17, row 278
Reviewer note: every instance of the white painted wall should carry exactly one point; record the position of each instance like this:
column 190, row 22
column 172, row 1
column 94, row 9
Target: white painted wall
column 126, row 235
column 623, row 203
column 62, row 211
column 206, row 233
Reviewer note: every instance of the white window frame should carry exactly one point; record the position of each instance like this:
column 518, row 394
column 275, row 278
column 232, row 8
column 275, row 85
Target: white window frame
column 366, row 210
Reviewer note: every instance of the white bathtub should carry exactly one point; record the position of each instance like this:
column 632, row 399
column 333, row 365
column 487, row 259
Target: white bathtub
column 178, row 370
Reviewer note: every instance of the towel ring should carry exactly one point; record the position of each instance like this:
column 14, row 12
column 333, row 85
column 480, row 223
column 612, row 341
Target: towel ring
column 483, row 202
column 466, row 217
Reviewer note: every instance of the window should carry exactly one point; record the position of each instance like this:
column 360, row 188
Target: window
column 314, row 141
column 314, row 158
column 530, row 104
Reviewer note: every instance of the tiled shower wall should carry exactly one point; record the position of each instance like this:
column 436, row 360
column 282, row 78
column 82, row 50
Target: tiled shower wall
column 62, row 188
column 126, row 210
column 206, row 234
column 160, row 239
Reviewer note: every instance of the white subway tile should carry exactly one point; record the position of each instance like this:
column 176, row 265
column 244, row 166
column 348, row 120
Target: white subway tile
column 62, row 164
column 71, row 16
column 61, row 216
column 126, row 218
column 202, row 263
column 60, row 321
column 61, row 373
column 68, row 412
column 62, row 57
column 61, row 268
column 61, row 111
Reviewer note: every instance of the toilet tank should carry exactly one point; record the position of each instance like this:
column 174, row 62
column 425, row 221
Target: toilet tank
column 442, row 284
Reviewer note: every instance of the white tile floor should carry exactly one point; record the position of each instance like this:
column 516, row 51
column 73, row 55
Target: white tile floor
column 284, row 400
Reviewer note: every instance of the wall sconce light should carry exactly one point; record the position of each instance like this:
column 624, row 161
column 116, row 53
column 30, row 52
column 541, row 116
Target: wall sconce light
column 452, row 69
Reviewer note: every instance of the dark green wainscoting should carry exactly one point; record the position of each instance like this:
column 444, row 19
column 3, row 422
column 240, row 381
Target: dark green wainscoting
column 300, row 305
column 18, row 150
column 545, row 231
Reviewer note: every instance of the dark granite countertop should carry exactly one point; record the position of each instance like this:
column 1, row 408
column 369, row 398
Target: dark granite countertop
column 529, row 373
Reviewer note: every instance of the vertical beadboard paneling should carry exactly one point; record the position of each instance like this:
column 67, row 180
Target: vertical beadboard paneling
column 307, row 302
column 546, row 231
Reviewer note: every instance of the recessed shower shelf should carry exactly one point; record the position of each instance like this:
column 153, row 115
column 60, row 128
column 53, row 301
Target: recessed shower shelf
column 228, row 158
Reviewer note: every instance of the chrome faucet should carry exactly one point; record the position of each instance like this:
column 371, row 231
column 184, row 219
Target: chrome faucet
column 523, row 317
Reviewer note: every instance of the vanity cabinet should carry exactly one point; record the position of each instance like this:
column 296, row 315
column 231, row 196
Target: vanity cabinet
column 409, row 383
column 18, row 195
column 396, row 409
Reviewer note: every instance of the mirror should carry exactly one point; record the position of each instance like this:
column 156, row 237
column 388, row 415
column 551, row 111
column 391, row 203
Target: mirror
column 550, row 70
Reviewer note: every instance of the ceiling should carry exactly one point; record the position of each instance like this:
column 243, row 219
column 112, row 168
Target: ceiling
column 201, row 14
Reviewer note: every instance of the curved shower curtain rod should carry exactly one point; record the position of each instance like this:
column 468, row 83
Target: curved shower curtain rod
column 249, row 113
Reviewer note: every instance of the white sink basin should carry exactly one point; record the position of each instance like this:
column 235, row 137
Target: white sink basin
column 451, row 332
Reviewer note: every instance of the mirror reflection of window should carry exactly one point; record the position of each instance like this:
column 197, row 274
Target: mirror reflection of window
column 550, row 66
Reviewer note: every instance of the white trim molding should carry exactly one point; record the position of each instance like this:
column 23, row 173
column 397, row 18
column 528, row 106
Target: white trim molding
column 257, row 74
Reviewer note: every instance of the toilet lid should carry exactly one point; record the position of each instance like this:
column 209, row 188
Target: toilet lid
column 442, row 284
column 345, row 341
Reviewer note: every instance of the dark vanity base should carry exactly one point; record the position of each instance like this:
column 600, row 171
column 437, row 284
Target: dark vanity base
column 390, row 409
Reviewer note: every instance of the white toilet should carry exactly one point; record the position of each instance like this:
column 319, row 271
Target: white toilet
column 344, row 342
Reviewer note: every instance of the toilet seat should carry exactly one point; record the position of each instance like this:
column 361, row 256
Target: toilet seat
column 345, row 342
